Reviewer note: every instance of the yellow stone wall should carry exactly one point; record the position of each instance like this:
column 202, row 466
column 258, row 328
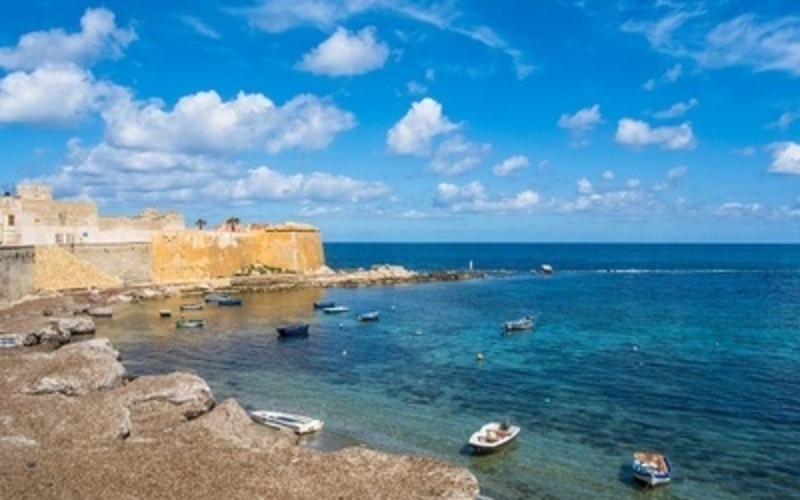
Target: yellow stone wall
column 57, row 269
column 191, row 255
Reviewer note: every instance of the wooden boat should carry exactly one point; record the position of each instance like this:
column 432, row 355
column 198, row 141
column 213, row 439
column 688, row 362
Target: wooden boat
column 651, row 468
column 493, row 436
column 227, row 300
column 190, row 323
column 336, row 309
column 197, row 306
column 324, row 305
column 294, row 330
column 165, row 313
column 521, row 324
column 296, row 423
column 368, row 316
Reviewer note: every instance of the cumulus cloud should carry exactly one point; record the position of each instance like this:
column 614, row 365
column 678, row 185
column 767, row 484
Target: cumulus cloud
column 455, row 155
column 637, row 133
column 510, row 165
column 129, row 174
column 203, row 122
column 738, row 209
column 472, row 198
column 99, row 38
column 58, row 95
column 785, row 158
column 677, row 110
column 346, row 54
column 412, row 135
column 581, row 123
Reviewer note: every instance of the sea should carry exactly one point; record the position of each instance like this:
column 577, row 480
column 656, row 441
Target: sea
column 692, row 350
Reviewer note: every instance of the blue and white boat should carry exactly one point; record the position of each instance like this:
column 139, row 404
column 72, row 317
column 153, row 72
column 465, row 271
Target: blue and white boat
column 651, row 468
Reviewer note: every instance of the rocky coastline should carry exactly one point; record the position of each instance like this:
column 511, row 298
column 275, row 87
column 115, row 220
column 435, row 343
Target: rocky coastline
column 75, row 424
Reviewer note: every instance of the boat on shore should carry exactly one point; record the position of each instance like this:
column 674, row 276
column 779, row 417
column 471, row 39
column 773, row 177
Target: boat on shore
column 324, row 304
column 294, row 330
column 298, row 424
column 651, row 468
column 197, row 306
column 522, row 324
column 190, row 323
column 369, row 316
column 493, row 436
column 165, row 313
column 335, row 310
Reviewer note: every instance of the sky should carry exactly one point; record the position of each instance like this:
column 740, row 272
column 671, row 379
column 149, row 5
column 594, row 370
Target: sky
column 415, row 120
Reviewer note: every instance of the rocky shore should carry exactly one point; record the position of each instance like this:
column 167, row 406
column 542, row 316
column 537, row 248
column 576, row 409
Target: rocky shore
column 75, row 424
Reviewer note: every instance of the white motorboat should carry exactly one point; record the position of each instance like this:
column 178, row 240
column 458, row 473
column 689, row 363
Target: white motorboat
column 493, row 436
column 651, row 468
column 296, row 423
column 518, row 325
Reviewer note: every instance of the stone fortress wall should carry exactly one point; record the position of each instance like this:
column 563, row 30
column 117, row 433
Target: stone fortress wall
column 64, row 245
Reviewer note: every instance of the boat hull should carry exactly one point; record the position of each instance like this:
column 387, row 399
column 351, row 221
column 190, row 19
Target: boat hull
column 296, row 423
column 298, row 330
column 492, row 437
column 649, row 473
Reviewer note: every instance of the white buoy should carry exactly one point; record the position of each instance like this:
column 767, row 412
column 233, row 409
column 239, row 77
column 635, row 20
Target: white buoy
column 479, row 356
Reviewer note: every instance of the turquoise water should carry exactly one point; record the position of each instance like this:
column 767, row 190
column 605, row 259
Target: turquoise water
column 693, row 350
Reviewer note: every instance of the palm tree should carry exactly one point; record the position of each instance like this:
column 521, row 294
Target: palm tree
column 200, row 223
column 232, row 222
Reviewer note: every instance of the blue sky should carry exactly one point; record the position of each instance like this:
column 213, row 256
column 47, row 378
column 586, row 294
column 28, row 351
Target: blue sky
column 411, row 120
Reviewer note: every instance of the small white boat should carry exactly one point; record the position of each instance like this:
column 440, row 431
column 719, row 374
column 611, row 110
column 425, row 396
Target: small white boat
column 335, row 310
column 296, row 423
column 493, row 436
column 546, row 269
column 521, row 324
column 197, row 306
column 651, row 468
column 369, row 316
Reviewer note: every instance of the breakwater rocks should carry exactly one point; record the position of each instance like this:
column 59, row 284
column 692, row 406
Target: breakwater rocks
column 74, row 424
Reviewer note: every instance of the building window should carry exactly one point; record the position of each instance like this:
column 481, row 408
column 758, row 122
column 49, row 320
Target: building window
column 10, row 220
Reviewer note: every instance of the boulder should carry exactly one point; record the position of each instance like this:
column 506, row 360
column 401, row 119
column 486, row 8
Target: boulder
column 79, row 325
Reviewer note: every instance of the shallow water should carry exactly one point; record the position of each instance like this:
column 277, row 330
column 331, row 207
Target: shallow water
column 692, row 355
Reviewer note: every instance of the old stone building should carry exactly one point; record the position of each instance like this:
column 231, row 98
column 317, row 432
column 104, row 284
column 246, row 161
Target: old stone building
column 33, row 217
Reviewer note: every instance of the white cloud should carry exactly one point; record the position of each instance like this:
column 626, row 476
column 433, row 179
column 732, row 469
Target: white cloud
column 637, row 133
column 738, row 209
column 59, row 95
column 745, row 40
column 276, row 16
column 263, row 183
column 585, row 120
column 472, row 198
column 136, row 175
column 671, row 75
column 785, row 120
column 203, row 122
column 678, row 109
column 785, row 158
column 412, row 135
column 608, row 175
column 346, row 54
column 99, row 38
column 677, row 174
column 510, row 165
column 200, row 27
column 455, row 155
column 585, row 186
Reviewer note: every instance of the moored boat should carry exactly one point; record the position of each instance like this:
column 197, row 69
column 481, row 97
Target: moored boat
column 299, row 424
column 369, row 316
column 651, row 468
column 492, row 436
column 227, row 300
column 521, row 324
column 336, row 309
column 192, row 307
column 190, row 323
column 294, row 330
column 324, row 304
